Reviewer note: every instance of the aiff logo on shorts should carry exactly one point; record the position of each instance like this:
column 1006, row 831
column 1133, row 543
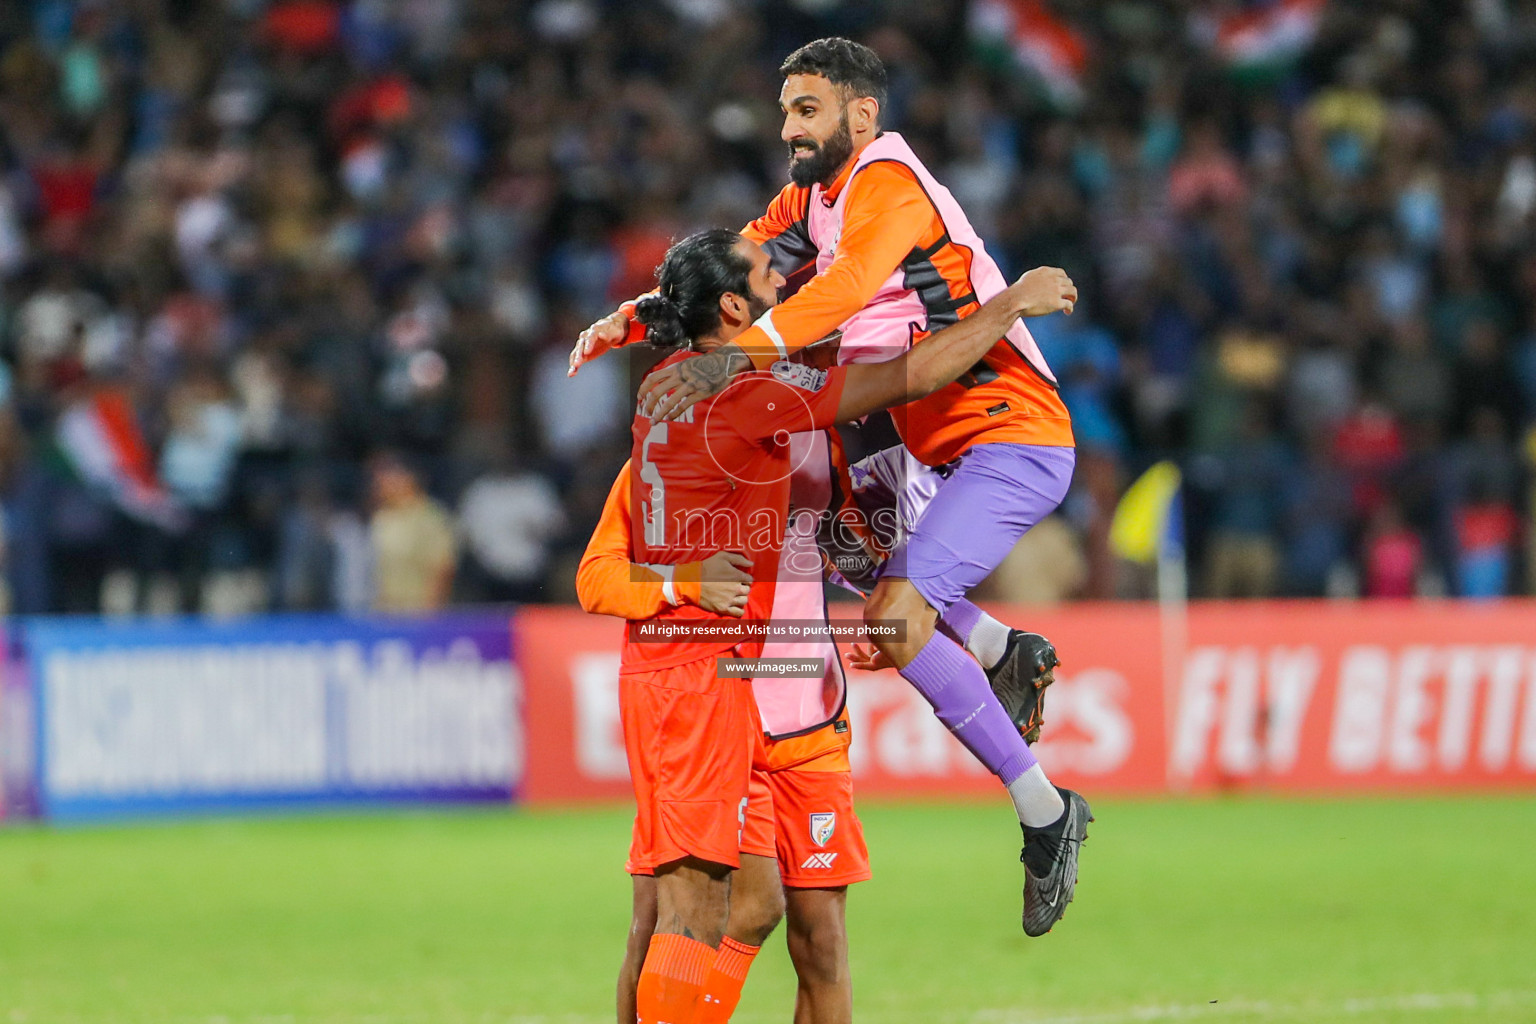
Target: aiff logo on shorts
column 823, row 824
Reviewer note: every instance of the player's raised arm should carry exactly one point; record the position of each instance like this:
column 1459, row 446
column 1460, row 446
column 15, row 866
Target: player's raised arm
column 890, row 218
column 798, row 398
column 944, row 356
column 887, row 216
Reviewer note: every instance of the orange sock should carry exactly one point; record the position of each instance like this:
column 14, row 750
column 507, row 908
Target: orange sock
column 722, row 989
column 674, row 972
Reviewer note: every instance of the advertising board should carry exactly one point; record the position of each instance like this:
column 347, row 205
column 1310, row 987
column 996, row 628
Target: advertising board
column 1303, row 696
column 186, row 715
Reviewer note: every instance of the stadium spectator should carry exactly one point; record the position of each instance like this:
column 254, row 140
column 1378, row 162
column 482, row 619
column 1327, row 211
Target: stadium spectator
column 508, row 518
column 1317, row 503
column 1393, row 555
column 197, row 461
column 1528, row 447
column 1255, row 470
column 414, row 550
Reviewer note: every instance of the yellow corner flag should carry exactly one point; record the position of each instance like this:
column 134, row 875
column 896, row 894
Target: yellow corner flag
column 1145, row 516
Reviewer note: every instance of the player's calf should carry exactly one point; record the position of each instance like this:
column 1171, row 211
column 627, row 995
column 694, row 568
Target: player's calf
column 818, row 947
column 757, row 906
column 953, row 682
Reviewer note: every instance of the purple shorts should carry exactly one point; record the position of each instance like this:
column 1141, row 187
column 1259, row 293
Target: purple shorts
column 995, row 493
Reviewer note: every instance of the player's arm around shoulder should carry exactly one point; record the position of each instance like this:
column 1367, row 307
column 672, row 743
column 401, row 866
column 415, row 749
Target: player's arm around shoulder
column 887, row 214
column 610, row 582
column 785, row 212
column 604, row 564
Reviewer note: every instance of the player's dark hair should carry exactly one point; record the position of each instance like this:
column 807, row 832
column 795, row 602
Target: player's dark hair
column 852, row 67
column 692, row 277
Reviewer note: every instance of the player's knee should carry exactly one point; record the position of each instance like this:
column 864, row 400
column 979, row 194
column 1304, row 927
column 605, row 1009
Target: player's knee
column 886, row 602
column 755, row 916
column 897, row 601
column 693, row 894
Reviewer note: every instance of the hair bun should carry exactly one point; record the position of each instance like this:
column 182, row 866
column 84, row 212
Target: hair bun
column 663, row 322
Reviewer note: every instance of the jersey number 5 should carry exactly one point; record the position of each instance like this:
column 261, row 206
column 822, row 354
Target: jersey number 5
column 655, row 505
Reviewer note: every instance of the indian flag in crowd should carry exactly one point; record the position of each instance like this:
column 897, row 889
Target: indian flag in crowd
column 99, row 437
column 1044, row 44
column 1267, row 35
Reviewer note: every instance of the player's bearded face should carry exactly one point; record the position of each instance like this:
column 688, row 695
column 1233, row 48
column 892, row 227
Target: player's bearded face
column 812, row 161
column 757, row 304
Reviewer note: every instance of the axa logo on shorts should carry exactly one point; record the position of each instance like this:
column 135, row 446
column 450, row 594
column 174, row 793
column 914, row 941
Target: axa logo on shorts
column 819, row 861
column 823, row 824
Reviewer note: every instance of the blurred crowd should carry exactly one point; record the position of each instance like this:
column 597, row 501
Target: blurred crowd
column 287, row 286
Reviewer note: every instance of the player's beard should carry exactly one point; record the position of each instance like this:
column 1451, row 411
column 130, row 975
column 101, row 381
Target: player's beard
column 825, row 160
column 757, row 306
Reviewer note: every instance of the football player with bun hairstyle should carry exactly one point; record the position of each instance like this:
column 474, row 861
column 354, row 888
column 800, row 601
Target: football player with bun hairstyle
column 718, row 479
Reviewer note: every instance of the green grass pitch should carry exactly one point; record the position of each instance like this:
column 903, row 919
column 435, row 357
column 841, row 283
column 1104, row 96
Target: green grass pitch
column 1252, row 909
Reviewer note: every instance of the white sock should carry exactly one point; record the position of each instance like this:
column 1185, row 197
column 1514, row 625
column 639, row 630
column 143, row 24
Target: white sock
column 1036, row 799
column 988, row 641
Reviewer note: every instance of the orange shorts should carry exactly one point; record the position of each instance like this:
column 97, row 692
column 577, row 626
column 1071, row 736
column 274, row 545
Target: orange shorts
column 802, row 812
column 689, row 738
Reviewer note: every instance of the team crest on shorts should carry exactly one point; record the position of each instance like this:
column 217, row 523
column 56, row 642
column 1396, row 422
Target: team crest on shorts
column 823, row 825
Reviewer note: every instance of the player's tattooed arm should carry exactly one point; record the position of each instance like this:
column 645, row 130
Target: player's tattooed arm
column 710, row 372
column 669, row 392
